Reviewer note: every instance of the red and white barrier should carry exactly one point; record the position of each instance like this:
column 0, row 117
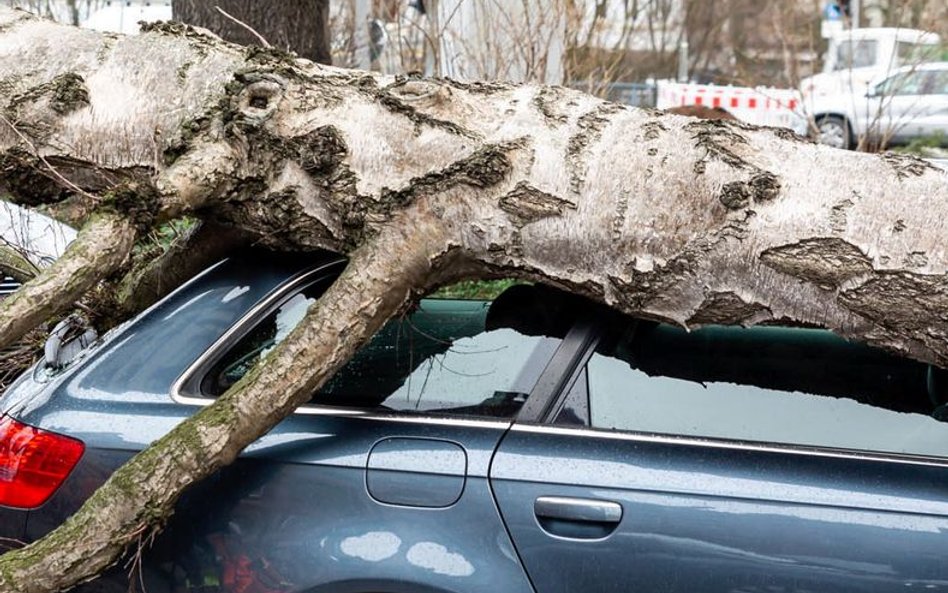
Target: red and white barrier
column 764, row 106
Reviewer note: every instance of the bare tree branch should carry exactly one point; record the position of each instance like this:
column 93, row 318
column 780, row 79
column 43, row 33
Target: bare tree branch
column 102, row 245
column 249, row 29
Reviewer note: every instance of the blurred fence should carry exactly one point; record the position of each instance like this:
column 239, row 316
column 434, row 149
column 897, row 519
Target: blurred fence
column 763, row 106
column 636, row 94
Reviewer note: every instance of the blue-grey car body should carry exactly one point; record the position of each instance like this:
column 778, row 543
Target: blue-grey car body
column 358, row 501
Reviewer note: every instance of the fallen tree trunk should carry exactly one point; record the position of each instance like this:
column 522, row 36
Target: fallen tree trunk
column 425, row 181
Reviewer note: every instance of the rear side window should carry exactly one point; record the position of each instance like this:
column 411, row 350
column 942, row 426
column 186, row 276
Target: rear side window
column 470, row 357
column 909, row 54
column 936, row 82
column 766, row 384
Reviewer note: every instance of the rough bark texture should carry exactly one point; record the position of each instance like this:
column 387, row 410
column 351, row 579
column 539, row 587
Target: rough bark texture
column 100, row 248
column 420, row 181
column 301, row 26
column 15, row 264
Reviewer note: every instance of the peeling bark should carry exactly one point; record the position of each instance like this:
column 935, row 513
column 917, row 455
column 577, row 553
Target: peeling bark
column 825, row 262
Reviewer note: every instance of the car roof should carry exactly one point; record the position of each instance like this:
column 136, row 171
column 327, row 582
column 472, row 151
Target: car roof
column 927, row 66
column 923, row 67
column 900, row 34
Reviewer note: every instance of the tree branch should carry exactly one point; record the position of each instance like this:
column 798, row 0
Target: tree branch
column 380, row 278
column 248, row 28
column 102, row 245
column 187, row 256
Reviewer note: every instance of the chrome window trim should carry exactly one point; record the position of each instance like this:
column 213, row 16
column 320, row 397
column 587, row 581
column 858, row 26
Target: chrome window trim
column 363, row 414
column 733, row 445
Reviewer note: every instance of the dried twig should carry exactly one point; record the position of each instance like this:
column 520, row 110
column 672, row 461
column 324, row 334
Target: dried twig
column 17, row 358
column 239, row 22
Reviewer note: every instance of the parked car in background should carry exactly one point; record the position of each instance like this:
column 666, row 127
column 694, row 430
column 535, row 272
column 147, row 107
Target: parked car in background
column 908, row 104
column 536, row 443
column 7, row 285
column 856, row 57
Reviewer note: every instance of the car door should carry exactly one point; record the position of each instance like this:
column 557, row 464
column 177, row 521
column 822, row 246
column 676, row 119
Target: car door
column 732, row 460
column 903, row 107
column 380, row 483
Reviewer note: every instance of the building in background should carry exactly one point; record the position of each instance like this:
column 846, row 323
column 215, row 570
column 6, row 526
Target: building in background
column 124, row 16
column 119, row 16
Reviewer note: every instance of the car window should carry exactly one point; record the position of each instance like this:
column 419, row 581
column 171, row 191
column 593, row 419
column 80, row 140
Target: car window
column 908, row 83
column 793, row 386
column 471, row 357
column 937, row 83
column 856, row 54
column 909, row 54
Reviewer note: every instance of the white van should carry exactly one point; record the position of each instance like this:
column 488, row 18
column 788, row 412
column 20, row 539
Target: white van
column 858, row 56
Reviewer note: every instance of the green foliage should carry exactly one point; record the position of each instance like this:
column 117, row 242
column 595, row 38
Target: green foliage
column 161, row 237
column 925, row 146
column 475, row 289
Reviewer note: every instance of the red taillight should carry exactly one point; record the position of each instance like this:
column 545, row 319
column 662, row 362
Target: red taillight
column 33, row 463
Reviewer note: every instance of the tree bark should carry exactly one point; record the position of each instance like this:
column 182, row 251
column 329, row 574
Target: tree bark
column 15, row 264
column 149, row 281
column 100, row 248
column 301, row 26
column 420, row 181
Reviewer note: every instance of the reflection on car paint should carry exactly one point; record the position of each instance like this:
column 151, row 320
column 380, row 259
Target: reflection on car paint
column 373, row 546
column 438, row 559
column 234, row 293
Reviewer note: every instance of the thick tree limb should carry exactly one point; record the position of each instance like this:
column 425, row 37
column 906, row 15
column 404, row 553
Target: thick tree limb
column 101, row 247
column 377, row 283
column 664, row 217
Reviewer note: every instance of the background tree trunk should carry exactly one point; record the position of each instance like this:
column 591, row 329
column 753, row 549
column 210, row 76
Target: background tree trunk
column 301, row 26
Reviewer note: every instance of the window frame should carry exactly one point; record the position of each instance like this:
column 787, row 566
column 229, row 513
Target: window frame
column 187, row 387
column 601, row 331
column 557, row 370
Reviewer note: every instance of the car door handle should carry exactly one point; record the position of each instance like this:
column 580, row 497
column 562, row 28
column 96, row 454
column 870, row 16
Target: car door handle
column 585, row 510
